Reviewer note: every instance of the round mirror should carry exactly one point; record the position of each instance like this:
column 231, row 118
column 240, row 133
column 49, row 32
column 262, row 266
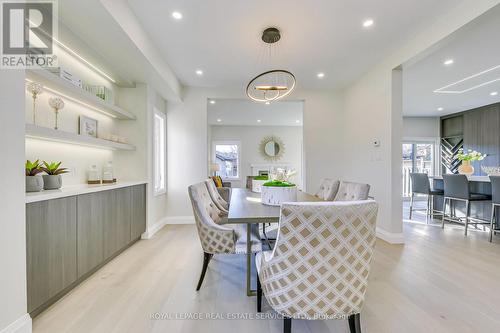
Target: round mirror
column 272, row 148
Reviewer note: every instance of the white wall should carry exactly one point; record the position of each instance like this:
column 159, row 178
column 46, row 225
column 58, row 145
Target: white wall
column 250, row 138
column 420, row 128
column 13, row 300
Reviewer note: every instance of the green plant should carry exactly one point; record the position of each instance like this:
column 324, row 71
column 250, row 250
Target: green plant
column 471, row 155
column 261, row 178
column 278, row 183
column 53, row 168
column 33, row 168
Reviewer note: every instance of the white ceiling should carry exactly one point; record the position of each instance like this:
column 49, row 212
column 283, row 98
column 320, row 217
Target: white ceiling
column 223, row 37
column 474, row 49
column 239, row 112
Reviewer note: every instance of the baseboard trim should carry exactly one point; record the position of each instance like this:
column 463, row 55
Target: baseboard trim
column 21, row 325
column 391, row 237
column 164, row 221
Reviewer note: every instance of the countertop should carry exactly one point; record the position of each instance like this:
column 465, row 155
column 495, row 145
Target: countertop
column 483, row 179
column 68, row 191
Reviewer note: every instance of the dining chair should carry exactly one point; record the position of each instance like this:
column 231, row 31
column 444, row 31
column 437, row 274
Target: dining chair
column 222, row 204
column 327, row 189
column 214, row 237
column 349, row 191
column 420, row 185
column 321, row 261
column 495, row 203
column 456, row 188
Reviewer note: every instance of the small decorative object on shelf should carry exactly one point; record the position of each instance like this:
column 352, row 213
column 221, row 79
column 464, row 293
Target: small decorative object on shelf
column 257, row 182
column 107, row 174
column 466, row 168
column 57, row 104
column 100, row 91
column 35, row 89
column 491, row 171
column 52, row 180
column 34, row 181
column 93, row 175
column 64, row 74
column 279, row 189
column 88, row 126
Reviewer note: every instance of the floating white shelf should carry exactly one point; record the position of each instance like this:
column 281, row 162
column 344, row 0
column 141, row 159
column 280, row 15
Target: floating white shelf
column 66, row 89
column 50, row 134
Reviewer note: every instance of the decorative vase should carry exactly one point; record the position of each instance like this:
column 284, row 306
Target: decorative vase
column 466, row 168
column 52, row 182
column 57, row 104
column 257, row 185
column 34, row 183
column 275, row 195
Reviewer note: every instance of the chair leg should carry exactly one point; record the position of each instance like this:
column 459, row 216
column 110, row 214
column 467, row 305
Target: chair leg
column 467, row 213
column 206, row 260
column 444, row 212
column 287, row 325
column 411, row 205
column 259, row 295
column 492, row 224
column 354, row 323
column 427, row 212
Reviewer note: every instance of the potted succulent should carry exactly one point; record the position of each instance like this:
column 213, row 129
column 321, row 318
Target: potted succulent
column 466, row 168
column 279, row 189
column 34, row 182
column 257, row 182
column 52, row 180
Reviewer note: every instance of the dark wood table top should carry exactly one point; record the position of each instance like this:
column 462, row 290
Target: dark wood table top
column 246, row 207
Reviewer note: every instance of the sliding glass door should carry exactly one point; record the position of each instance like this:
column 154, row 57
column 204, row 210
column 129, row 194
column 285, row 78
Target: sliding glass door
column 417, row 157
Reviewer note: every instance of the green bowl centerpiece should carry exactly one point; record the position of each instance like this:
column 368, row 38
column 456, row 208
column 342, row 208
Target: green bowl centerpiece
column 257, row 182
column 279, row 189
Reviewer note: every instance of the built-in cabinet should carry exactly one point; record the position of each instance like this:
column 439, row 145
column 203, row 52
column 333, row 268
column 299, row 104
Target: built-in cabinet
column 69, row 238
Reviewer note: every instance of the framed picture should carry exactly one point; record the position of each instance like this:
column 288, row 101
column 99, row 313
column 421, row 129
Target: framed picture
column 88, row 126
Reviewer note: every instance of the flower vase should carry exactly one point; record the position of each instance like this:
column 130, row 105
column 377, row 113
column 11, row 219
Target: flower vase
column 466, row 168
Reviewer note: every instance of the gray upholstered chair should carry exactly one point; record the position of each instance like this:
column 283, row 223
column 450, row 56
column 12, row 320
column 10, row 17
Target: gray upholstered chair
column 327, row 189
column 495, row 203
column 222, row 204
column 321, row 261
column 349, row 191
column 456, row 188
column 420, row 185
column 214, row 237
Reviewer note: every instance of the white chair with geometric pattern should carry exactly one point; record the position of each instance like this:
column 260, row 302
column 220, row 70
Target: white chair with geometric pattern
column 216, row 238
column 349, row 191
column 321, row 261
column 328, row 189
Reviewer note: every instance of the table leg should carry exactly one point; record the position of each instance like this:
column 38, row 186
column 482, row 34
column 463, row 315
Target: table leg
column 250, row 292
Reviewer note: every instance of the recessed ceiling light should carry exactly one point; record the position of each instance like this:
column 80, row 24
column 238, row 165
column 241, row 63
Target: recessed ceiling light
column 258, row 120
column 267, row 103
column 219, row 120
column 176, row 15
column 368, row 23
column 212, row 101
column 449, row 62
column 440, row 109
column 494, row 93
column 320, row 75
column 199, row 72
column 297, row 121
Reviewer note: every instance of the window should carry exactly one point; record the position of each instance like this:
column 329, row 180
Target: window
column 227, row 156
column 417, row 157
column 159, row 151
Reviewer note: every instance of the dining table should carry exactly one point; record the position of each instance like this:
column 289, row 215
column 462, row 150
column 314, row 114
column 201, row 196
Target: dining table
column 246, row 207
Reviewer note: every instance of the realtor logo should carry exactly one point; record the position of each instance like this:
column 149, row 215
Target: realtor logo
column 28, row 33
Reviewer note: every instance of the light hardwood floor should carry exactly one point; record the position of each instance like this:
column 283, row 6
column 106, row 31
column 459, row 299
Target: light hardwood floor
column 439, row 281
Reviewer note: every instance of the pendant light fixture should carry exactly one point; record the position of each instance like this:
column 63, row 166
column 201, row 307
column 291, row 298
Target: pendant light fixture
column 274, row 84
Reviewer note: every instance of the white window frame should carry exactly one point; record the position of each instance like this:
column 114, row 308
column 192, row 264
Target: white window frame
column 230, row 142
column 159, row 160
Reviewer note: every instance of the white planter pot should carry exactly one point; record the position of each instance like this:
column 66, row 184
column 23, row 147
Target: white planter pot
column 257, row 184
column 275, row 196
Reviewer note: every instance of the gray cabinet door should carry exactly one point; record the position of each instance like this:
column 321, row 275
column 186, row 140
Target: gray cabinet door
column 117, row 212
column 138, row 211
column 50, row 248
column 90, row 231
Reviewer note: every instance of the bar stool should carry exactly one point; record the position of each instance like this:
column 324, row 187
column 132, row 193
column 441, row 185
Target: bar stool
column 420, row 185
column 456, row 188
column 495, row 202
